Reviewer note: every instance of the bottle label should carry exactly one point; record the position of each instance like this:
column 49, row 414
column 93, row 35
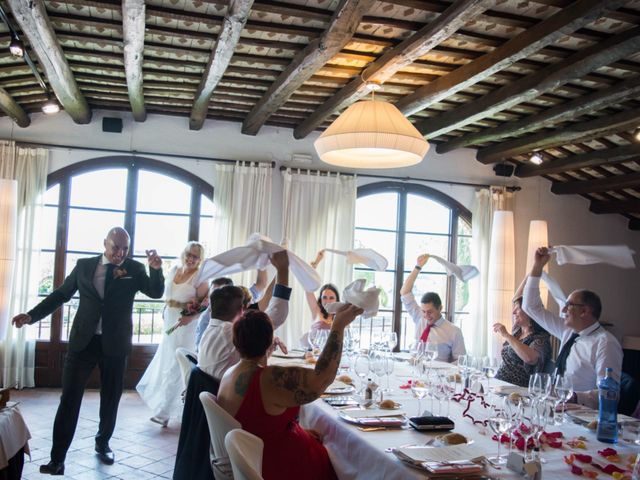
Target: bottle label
column 609, row 395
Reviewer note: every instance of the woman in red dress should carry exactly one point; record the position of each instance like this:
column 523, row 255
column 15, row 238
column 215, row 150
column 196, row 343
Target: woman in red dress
column 266, row 399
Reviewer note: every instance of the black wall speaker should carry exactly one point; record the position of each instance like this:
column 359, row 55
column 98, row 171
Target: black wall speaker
column 503, row 169
column 111, row 124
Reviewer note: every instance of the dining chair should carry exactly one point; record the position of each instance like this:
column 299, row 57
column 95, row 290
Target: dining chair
column 220, row 423
column 245, row 453
column 186, row 360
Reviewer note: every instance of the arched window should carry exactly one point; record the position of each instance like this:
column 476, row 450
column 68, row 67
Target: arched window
column 401, row 221
column 160, row 205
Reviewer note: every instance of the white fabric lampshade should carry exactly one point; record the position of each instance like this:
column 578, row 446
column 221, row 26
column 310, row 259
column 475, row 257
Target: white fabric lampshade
column 8, row 222
column 538, row 237
column 371, row 134
column 501, row 275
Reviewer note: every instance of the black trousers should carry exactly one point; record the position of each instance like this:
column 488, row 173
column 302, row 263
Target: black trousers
column 77, row 369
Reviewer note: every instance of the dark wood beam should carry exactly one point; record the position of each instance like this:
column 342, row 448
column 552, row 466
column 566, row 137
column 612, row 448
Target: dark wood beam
column 13, row 110
column 524, row 45
column 393, row 60
column 629, row 206
column 35, row 25
column 133, row 24
column 573, row 132
column 532, row 86
column 232, row 25
column 315, row 55
column 599, row 185
column 567, row 111
column 583, row 160
column 634, row 224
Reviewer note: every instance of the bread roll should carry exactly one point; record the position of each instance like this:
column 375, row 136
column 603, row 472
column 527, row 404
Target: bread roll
column 452, row 439
column 388, row 404
column 345, row 379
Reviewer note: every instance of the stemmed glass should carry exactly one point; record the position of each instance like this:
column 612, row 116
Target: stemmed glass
column 419, row 390
column 513, row 408
column 361, row 367
column 500, row 423
column 439, row 389
column 529, row 423
column 417, row 352
column 540, row 420
column 430, row 352
column 465, row 369
column 392, row 340
column 377, row 365
column 490, row 368
column 389, row 366
column 564, row 390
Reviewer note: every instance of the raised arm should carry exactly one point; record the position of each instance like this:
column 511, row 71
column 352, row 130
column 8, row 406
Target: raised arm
column 310, row 296
column 520, row 290
column 407, row 286
column 292, row 386
column 278, row 307
column 527, row 354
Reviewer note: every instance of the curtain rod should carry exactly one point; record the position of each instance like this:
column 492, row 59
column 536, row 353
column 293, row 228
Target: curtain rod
column 137, row 152
column 407, row 179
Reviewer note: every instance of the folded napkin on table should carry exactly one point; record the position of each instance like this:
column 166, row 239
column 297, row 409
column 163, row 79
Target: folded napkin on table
column 618, row 255
column 463, row 273
column 365, row 256
column 354, row 293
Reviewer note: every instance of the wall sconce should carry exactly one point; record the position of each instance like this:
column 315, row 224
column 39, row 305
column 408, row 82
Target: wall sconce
column 8, row 224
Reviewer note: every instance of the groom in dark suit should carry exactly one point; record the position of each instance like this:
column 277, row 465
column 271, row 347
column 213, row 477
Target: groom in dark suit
column 100, row 335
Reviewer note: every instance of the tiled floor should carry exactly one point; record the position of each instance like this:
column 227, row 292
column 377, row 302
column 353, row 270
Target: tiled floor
column 143, row 449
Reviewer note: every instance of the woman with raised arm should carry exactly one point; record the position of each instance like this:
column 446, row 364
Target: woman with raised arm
column 328, row 294
column 266, row 399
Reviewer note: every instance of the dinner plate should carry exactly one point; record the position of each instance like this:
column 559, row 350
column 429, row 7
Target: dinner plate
column 339, row 389
column 391, row 421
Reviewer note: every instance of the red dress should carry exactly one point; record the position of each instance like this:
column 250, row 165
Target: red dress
column 289, row 451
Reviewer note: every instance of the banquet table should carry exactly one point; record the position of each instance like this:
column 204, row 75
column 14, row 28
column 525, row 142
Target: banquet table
column 14, row 436
column 364, row 454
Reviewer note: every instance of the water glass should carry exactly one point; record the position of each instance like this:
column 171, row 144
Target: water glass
column 361, row 368
column 419, row 390
column 563, row 387
column 500, row 423
column 389, row 366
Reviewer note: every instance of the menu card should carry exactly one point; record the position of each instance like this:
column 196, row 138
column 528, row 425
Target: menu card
column 373, row 413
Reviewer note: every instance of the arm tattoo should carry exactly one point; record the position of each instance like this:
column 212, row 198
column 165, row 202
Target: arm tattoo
column 331, row 353
column 243, row 381
column 294, row 379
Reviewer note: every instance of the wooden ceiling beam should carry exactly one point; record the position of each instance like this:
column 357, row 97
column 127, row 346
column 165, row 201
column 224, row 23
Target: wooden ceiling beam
column 133, row 24
column 523, row 45
column 583, row 160
column 564, row 112
column 599, row 185
column 233, row 23
column 35, row 25
column 315, row 55
column 531, row 86
column 394, row 60
column 565, row 134
column 13, row 110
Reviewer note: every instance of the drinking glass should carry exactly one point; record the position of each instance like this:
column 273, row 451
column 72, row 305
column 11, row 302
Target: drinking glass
column 528, row 430
column 417, row 351
column 490, row 368
column 540, row 420
column 431, row 352
column 377, row 366
column 389, row 366
column 439, row 389
column 542, row 385
column 322, row 337
column 564, row 391
column 500, row 423
column 392, row 340
column 361, row 367
column 419, row 390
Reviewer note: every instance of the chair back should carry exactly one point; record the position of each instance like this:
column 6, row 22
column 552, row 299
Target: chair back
column 186, row 360
column 245, row 452
column 220, row 423
column 629, row 394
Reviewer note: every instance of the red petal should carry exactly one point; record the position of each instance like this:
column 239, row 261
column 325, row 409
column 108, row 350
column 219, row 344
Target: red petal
column 607, row 452
column 576, row 470
column 583, row 458
column 610, row 468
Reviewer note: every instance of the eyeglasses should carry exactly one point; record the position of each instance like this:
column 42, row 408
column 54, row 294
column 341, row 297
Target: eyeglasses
column 571, row 304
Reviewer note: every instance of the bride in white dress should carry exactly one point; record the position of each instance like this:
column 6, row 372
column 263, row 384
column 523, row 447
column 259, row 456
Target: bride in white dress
column 161, row 385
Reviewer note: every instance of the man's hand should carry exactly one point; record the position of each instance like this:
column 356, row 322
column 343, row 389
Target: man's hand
column 540, row 259
column 21, row 319
column 153, row 259
column 422, row 259
column 346, row 315
column 500, row 329
column 280, row 260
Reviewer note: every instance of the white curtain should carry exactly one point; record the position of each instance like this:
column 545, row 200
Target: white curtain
column 478, row 333
column 242, row 199
column 318, row 212
column 29, row 167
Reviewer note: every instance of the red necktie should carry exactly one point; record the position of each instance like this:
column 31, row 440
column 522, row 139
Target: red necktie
column 425, row 333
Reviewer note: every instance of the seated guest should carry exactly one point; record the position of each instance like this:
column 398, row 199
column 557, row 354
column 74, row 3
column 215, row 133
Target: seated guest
column 525, row 350
column 430, row 325
column 587, row 348
column 228, row 303
column 266, row 400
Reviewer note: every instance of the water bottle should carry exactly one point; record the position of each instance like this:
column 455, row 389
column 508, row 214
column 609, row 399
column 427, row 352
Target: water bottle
column 609, row 392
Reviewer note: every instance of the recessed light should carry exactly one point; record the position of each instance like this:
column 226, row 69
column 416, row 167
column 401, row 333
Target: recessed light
column 536, row 159
column 50, row 107
column 16, row 47
column 636, row 134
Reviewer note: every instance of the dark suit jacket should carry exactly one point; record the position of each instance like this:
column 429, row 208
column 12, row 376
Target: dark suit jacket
column 115, row 309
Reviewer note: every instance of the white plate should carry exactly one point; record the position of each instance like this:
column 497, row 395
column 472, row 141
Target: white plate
column 372, row 421
column 339, row 389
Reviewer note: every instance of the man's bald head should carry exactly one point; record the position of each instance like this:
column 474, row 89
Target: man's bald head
column 116, row 245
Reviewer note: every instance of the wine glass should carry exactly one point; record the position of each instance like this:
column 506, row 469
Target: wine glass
column 361, row 368
column 392, row 340
column 542, row 385
column 321, row 339
column 430, row 352
column 439, row 389
column 500, row 423
column 490, row 368
column 564, row 391
column 528, row 429
column 377, row 365
column 389, row 366
column 540, row 420
column 513, row 407
column 417, row 351
column 419, row 390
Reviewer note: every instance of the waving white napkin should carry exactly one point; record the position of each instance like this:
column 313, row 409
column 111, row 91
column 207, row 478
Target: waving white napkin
column 618, row 255
column 354, row 293
column 365, row 256
column 462, row 272
column 555, row 290
column 255, row 255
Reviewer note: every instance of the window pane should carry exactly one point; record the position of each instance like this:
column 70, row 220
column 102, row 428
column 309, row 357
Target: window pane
column 52, row 195
column 425, row 215
column 377, row 211
column 71, row 261
column 166, row 234
column 382, row 242
column 206, row 206
column 367, row 329
column 88, row 229
column 49, row 226
column 206, row 235
column 462, row 288
column 431, row 283
column 416, row 245
column 382, row 280
column 464, row 228
column 160, row 193
column 101, row 189
column 147, row 322
column 45, row 283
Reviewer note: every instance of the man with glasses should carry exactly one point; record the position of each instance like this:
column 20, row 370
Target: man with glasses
column 586, row 348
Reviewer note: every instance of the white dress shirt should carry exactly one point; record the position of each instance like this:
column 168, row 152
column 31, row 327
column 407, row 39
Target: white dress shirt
column 443, row 333
column 217, row 352
column 593, row 352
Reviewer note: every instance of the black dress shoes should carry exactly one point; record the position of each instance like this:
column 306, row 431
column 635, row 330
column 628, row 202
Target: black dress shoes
column 53, row 468
column 105, row 454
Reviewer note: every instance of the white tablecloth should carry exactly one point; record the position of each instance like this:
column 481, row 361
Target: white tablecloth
column 14, row 434
column 358, row 454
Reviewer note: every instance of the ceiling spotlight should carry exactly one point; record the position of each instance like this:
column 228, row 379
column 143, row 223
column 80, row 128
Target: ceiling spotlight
column 51, row 106
column 16, row 47
column 636, row 134
column 536, row 159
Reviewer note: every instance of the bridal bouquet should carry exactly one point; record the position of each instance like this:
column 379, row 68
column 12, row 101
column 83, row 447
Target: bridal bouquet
column 192, row 307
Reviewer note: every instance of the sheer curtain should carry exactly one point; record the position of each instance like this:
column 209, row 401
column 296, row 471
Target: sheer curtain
column 242, row 199
column 29, row 167
column 318, row 212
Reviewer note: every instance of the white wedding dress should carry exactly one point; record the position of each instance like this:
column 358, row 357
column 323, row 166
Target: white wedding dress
column 161, row 385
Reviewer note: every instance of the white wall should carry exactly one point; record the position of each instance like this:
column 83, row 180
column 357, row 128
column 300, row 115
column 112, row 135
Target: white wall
column 570, row 221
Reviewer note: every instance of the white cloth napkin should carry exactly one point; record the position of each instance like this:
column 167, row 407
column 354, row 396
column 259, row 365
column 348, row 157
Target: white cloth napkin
column 255, row 255
column 354, row 293
column 618, row 255
column 462, row 272
column 365, row 256
column 555, row 290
